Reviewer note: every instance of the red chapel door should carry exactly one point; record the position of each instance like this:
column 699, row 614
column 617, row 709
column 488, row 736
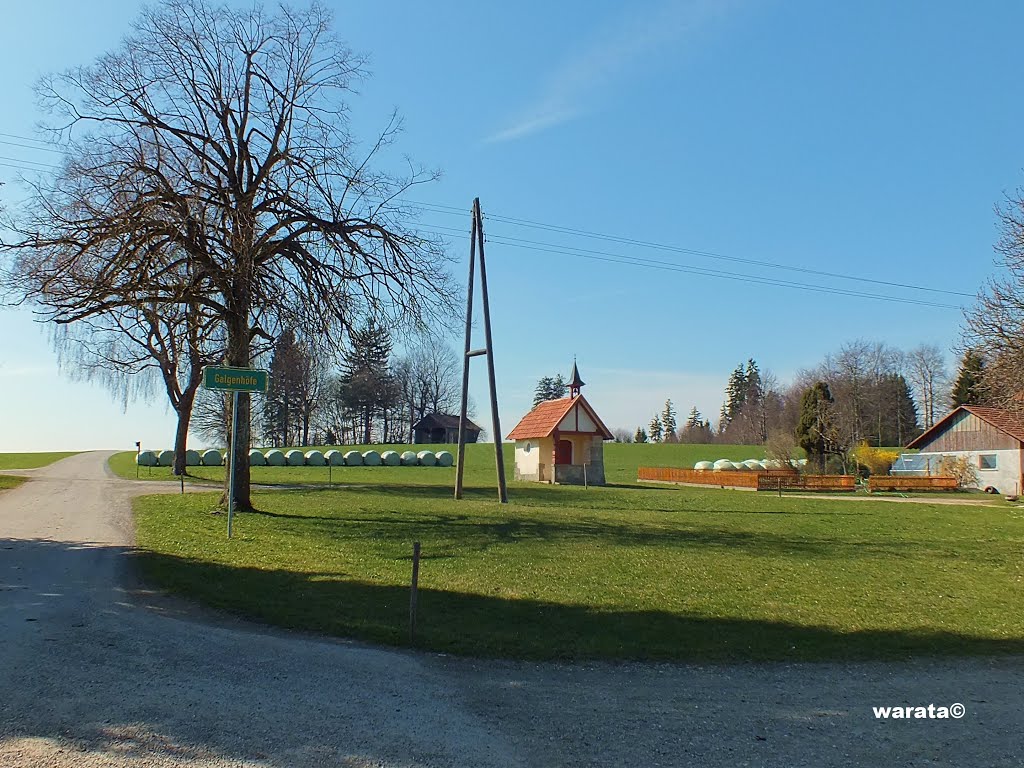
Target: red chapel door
column 563, row 452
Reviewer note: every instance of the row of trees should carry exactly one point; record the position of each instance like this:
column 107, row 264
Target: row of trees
column 877, row 393
column 373, row 396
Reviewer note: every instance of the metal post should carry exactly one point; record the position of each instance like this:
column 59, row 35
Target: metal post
column 498, row 455
column 460, row 464
column 414, row 592
column 231, row 459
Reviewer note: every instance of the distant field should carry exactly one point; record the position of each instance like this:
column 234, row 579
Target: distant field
column 621, row 462
column 32, row 460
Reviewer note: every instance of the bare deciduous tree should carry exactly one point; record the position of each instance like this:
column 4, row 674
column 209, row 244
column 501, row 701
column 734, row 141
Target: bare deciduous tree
column 926, row 370
column 209, row 160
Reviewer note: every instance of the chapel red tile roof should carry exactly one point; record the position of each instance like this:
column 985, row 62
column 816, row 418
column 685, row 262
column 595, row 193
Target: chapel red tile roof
column 542, row 420
column 1000, row 418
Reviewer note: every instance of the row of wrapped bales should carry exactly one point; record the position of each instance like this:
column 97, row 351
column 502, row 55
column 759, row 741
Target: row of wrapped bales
column 296, row 458
column 750, row 465
column 210, row 458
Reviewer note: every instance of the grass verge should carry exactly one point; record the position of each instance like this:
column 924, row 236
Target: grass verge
column 10, row 481
column 32, row 460
column 615, row 572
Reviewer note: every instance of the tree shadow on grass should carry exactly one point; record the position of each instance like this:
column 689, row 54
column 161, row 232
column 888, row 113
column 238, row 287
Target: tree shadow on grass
column 478, row 533
column 492, row 625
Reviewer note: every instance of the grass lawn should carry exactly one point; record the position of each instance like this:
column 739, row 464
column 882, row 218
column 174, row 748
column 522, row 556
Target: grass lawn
column 614, row 572
column 31, row 460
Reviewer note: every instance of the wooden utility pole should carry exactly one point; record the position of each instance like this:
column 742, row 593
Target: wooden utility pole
column 476, row 241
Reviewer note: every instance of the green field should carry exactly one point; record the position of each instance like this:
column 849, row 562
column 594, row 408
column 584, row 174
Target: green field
column 614, row 572
column 31, row 460
column 621, row 462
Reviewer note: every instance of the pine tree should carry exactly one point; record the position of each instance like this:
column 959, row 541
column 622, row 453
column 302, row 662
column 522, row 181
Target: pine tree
column 812, row 431
column 654, row 429
column 640, row 436
column 967, row 389
column 735, row 396
column 284, row 403
column 694, row 420
column 559, row 388
column 367, row 386
column 668, row 423
column 543, row 391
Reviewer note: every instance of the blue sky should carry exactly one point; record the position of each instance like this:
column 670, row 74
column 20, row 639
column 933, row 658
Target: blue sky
column 865, row 139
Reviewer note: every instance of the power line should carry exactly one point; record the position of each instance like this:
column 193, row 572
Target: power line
column 29, row 146
column 616, row 258
column 452, row 210
column 30, row 162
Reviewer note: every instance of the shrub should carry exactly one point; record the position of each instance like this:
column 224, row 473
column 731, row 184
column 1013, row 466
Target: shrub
column 878, row 460
column 960, row 467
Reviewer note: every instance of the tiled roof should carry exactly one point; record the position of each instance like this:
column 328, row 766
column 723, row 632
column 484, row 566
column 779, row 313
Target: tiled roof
column 542, row 420
column 1006, row 421
column 1000, row 418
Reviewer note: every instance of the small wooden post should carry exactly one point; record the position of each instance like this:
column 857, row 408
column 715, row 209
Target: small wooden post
column 585, row 476
column 182, row 478
column 780, row 487
column 413, row 593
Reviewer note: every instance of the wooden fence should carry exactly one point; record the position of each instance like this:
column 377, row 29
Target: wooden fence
column 808, row 483
column 887, row 483
column 764, row 480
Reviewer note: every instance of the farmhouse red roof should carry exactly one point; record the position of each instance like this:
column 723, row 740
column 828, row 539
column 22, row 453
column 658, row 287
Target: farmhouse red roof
column 1001, row 419
column 542, row 420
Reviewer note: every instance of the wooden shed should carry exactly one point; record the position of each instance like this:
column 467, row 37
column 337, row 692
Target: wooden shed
column 992, row 439
column 437, row 428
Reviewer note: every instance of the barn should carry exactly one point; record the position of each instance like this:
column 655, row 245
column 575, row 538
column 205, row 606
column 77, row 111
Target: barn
column 991, row 438
column 435, row 428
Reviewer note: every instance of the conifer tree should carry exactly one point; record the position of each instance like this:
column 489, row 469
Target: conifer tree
column 967, row 389
column 654, row 429
column 668, row 423
column 640, row 436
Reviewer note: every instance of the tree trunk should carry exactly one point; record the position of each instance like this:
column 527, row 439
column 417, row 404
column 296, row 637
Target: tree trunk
column 184, row 411
column 238, row 356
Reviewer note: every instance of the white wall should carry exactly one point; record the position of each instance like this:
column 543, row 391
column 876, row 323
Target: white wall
column 1005, row 478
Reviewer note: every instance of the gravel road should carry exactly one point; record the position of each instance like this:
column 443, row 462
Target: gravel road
column 94, row 672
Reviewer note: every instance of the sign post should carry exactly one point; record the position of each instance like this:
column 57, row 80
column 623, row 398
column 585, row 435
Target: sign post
column 234, row 380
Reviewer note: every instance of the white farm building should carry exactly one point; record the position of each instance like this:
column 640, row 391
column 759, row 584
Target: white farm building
column 991, row 438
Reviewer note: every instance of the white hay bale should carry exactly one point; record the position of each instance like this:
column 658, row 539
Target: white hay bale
column 147, row 459
column 426, row 458
column 315, row 459
column 192, row 458
column 353, row 459
column 256, row 458
column 165, row 459
column 409, row 459
column 371, row 459
column 753, row 464
column 335, row 458
column 704, row 466
column 295, row 458
column 275, row 458
column 445, row 459
column 723, row 465
column 391, row 458
column 212, row 458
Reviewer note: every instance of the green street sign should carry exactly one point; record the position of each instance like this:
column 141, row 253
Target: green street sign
column 235, row 379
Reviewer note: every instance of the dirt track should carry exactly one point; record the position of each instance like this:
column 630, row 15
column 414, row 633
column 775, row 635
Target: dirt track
column 95, row 673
